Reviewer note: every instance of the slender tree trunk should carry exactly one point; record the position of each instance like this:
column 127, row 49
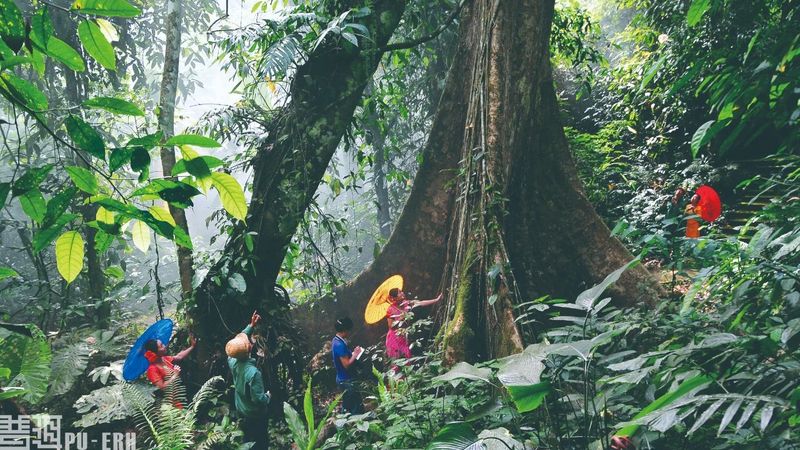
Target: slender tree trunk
column 518, row 225
column 287, row 171
column 166, row 123
column 377, row 138
column 75, row 93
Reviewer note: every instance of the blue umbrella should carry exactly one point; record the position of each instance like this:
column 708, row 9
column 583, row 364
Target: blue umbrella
column 136, row 364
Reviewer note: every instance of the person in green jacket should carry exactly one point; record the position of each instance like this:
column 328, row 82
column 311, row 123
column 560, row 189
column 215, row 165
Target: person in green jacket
column 250, row 400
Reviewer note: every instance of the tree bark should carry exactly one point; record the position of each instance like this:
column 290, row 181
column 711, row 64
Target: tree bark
column 377, row 138
column 521, row 226
column 166, row 123
column 287, row 171
column 531, row 220
column 417, row 246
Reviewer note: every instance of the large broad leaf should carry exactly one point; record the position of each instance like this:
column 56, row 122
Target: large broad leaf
column 119, row 157
column 464, row 370
column 140, row 162
column 69, row 255
column 296, row 427
column 106, row 217
column 161, row 213
column 41, row 28
column 210, row 162
column 198, row 168
column 12, row 61
column 11, row 392
column 129, row 211
column 237, row 282
column 108, row 29
column 34, row 205
column 85, row 137
column 703, row 135
column 149, row 141
column 27, row 355
column 192, row 139
column 456, row 436
column 529, row 397
column 175, row 192
column 12, row 24
column 102, row 241
column 38, row 61
column 651, row 72
column 114, row 105
column 500, row 439
column 61, row 51
column 45, row 236
column 107, row 8
column 587, row 298
column 308, row 408
column 84, row 179
column 231, row 194
column 58, row 205
column 182, row 238
column 697, row 9
column 716, row 340
column 521, row 369
column 30, row 180
column 96, row 44
column 22, row 92
column 7, row 272
column 141, row 235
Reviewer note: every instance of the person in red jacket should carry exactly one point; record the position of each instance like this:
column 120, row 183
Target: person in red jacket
column 162, row 370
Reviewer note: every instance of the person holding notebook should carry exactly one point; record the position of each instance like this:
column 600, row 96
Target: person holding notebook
column 343, row 359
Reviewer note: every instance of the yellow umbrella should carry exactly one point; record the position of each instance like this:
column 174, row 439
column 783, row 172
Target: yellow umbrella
column 379, row 302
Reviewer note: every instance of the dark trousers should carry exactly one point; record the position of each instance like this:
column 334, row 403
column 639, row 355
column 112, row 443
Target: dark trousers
column 351, row 398
column 255, row 430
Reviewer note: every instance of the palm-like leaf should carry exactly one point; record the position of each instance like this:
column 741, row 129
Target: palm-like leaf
column 27, row 356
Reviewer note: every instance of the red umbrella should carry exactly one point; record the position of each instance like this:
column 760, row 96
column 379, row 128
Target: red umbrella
column 710, row 204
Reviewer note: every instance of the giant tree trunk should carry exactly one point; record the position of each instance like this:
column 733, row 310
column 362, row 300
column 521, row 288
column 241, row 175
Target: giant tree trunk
column 417, row 246
column 521, row 226
column 323, row 96
column 166, row 123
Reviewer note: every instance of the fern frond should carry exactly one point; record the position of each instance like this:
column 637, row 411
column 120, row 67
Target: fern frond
column 280, row 56
column 175, row 428
column 142, row 408
column 175, row 392
column 664, row 419
column 213, row 388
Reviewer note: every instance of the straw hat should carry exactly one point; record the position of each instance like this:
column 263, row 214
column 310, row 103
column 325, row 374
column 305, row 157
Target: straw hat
column 238, row 347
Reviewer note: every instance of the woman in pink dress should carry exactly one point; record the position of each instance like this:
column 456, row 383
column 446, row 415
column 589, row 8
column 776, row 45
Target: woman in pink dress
column 396, row 341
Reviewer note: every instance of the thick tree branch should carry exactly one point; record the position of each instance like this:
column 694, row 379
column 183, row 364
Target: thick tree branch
column 429, row 37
